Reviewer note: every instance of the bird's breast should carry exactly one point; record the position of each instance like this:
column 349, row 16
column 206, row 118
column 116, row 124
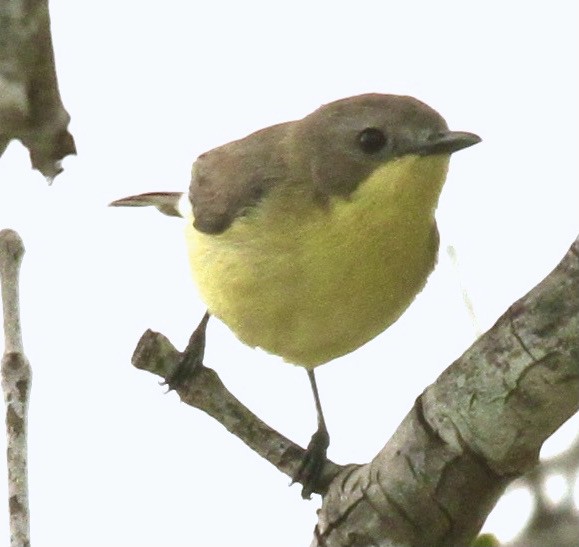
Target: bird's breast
column 311, row 283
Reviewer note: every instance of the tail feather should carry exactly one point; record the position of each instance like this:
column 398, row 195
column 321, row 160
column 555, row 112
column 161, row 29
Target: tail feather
column 166, row 202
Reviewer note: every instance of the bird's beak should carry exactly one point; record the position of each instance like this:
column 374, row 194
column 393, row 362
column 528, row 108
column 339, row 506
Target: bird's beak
column 446, row 143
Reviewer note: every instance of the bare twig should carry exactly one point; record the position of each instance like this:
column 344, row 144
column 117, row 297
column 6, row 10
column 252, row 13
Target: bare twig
column 16, row 380
column 206, row 392
column 30, row 106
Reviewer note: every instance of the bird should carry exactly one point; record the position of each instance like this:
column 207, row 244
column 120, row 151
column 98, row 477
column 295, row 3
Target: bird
column 311, row 237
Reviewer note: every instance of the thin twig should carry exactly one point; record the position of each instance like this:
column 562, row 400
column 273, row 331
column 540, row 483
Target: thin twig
column 16, row 381
column 206, row 391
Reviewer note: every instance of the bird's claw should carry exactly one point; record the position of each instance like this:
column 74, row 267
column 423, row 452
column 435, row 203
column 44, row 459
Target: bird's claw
column 184, row 370
column 191, row 359
column 312, row 463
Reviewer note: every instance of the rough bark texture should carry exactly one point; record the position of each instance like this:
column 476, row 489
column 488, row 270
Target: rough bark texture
column 479, row 426
column 30, row 106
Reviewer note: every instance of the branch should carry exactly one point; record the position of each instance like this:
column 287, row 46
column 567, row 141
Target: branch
column 16, row 380
column 30, row 106
column 206, row 392
column 479, row 426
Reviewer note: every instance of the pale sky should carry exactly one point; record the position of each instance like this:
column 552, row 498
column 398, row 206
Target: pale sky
column 150, row 86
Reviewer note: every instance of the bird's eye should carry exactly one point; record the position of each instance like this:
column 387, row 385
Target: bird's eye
column 371, row 140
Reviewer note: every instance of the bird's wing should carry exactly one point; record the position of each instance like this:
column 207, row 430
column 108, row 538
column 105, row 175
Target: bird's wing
column 226, row 181
column 229, row 180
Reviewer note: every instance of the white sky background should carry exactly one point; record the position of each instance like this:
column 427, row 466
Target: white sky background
column 150, row 86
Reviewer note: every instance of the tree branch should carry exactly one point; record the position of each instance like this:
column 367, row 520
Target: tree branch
column 479, row 426
column 30, row 106
column 16, row 380
column 206, row 392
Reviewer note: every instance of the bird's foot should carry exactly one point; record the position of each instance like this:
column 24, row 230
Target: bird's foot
column 184, row 370
column 191, row 359
column 308, row 474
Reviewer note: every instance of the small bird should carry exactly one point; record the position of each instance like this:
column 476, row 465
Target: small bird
column 311, row 237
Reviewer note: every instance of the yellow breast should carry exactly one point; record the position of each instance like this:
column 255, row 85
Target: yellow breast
column 311, row 283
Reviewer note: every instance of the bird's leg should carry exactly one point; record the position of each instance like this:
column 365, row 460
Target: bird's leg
column 191, row 358
column 315, row 456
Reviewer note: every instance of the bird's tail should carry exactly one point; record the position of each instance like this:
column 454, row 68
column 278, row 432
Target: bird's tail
column 166, row 202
